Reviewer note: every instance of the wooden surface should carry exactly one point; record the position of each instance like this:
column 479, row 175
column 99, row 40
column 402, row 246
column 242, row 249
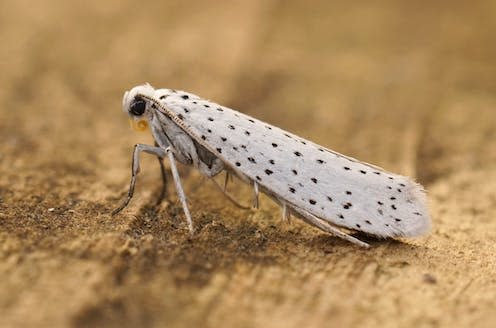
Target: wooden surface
column 409, row 86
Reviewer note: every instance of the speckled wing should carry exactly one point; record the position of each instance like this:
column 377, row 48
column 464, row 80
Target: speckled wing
column 331, row 186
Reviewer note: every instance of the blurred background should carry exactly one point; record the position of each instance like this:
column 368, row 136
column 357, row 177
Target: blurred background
column 409, row 86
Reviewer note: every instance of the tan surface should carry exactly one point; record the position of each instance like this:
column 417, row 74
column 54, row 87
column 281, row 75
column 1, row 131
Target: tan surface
column 409, row 87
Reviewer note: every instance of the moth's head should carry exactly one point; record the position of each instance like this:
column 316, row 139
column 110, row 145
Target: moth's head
column 137, row 107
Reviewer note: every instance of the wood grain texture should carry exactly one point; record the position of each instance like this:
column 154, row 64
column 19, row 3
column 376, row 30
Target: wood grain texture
column 407, row 86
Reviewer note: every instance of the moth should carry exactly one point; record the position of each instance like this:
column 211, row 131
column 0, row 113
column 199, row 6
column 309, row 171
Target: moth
column 333, row 192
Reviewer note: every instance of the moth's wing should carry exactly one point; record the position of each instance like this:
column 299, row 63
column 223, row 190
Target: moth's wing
column 331, row 186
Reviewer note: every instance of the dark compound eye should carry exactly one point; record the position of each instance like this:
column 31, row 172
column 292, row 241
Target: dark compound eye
column 138, row 107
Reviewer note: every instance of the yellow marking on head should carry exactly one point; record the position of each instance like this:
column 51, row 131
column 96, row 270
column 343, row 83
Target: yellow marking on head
column 140, row 125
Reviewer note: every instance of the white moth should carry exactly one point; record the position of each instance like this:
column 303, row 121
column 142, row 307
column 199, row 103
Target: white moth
column 333, row 192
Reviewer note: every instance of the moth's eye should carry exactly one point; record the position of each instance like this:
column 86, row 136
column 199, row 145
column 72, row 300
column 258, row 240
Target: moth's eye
column 138, row 107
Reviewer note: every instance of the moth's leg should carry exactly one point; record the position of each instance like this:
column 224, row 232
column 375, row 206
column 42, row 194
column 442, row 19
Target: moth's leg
column 163, row 174
column 179, row 189
column 163, row 191
column 322, row 225
column 226, row 180
column 286, row 216
column 228, row 196
column 210, row 170
column 215, row 168
column 135, row 168
column 255, row 194
column 229, row 178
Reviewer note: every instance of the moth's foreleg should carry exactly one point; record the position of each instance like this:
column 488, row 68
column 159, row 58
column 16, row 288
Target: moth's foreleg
column 163, row 175
column 138, row 148
column 179, row 189
column 163, row 191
